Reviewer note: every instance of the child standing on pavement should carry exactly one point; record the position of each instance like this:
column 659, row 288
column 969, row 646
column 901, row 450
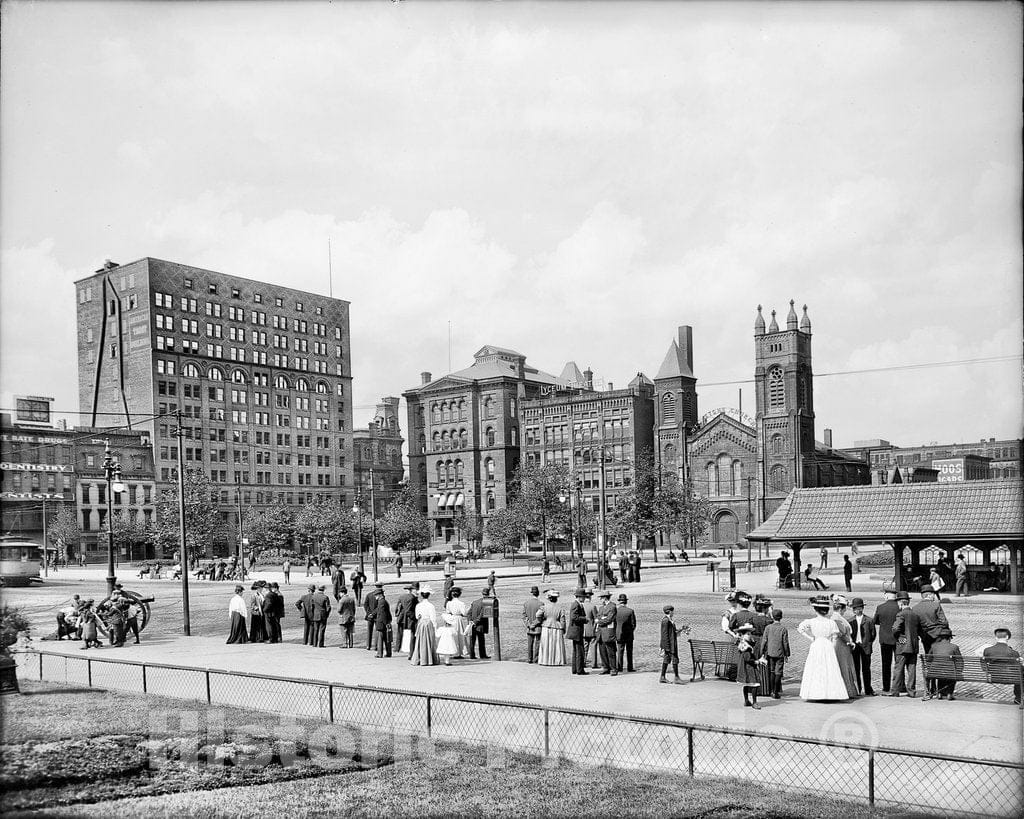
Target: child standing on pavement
column 746, row 666
column 775, row 652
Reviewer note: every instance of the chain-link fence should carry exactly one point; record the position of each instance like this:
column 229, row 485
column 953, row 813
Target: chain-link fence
column 935, row 783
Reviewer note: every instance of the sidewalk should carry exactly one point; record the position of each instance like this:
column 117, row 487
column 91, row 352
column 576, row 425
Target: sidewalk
column 973, row 729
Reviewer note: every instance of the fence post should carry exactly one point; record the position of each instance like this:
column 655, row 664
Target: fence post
column 330, row 703
column 547, row 733
column 689, row 750
column 429, row 719
column 88, row 670
column 209, row 699
column 40, row 667
column 144, row 678
column 871, row 776
column 497, row 630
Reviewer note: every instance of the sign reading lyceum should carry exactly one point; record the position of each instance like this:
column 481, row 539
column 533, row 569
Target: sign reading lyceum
column 37, row 467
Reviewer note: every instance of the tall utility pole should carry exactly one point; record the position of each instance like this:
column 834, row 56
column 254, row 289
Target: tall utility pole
column 241, row 531
column 46, row 553
column 187, row 619
column 602, row 552
column 373, row 526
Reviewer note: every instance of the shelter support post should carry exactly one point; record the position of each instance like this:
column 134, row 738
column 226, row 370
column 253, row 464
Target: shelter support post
column 897, row 553
column 1013, row 567
column 798, row 567
column 915, row 557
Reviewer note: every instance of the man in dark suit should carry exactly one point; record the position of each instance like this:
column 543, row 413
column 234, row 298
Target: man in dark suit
column 946, row 656
column 369, row 610
column 639, row 560
column 931, row 617
column 320, row 609
column 625, row 628
column 670, row 645
column 338, row 583
column 1003, row 651
column 590, row 631
column 906, row 630
column 273, row 611
column 382, row 625
column 405, row 615
column 885, row 616
column 531, row 610
column 848, row 573
column 864, row 633
column 574, row 624
column 785, row 569
column 606, row 633
column 303, row 605
column 479, row 618
column 347, row 620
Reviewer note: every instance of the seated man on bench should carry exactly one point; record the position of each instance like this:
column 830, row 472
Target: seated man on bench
column 1002, row 650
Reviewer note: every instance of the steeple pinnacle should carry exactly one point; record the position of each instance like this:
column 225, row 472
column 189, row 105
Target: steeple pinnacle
column 774, row 326
column 791, row 319
column 805, row 322
column 759, row 323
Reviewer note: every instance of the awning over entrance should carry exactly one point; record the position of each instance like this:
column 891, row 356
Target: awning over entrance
column 459, row 500
column 986, row 514
column 450, row 501
column 442, row 500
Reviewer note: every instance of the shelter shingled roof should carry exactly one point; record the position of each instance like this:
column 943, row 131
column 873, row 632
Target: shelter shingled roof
column 991, row 509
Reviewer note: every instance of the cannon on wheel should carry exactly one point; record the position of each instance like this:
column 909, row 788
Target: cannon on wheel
column 136, row 599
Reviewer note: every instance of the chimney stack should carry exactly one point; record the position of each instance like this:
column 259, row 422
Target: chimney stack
column 424, row 378
column 588, row 378
column 686, row 345
column 828, row 438
column 611, row 386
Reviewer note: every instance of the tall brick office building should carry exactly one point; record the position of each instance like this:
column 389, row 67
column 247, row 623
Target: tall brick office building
column 261, row 374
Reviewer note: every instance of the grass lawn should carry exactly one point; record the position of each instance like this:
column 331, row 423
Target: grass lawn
column 69, row 751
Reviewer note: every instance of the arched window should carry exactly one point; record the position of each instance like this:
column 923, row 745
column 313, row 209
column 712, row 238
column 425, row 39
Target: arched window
column 725, row 528
column 804, row 387
column 712, row 478
column 668, row 408
column 490, row 501
column 421, row 470
column 436, row 441
column 190, row 370
column 281, row 383
column 489, row 436
column 458, row 472
column 488, row 407
column 515, row 437
column 215, row 374
column 489, row 469
column 446, row 415
column 238, row 376
column 776, row 388
column 463, row 439
column 724, row 474
column 776, row 444
column 435, row 414
column 669, row 455
column 462, row 410
column 778, row 478
column 445, row 443
column 422, row 441
column 449, row 473
column 737, row 478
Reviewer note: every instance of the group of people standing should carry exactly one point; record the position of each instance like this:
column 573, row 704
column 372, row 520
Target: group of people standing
column 264, row 610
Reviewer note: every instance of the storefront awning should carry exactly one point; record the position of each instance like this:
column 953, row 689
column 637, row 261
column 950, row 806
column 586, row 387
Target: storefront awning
column 459, row 499
column 450, row 501
column 442, row 501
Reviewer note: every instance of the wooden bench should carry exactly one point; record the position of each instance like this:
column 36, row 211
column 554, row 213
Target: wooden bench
column 720, row 654
column 993, row 671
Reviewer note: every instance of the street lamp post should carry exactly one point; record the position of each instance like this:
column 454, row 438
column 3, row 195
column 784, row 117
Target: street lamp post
column 373, row 526
column 112, row 473
column 566, row 497
column 357, row 508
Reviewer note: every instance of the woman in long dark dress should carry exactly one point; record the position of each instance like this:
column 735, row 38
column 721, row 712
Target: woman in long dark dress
column 257, row 625
column 237, row 609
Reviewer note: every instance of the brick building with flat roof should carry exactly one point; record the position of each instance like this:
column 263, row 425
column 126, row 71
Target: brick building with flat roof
column 377, row 457
column 261, row 374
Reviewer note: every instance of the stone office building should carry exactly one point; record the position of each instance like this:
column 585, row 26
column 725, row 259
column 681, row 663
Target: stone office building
column 464, row 431
column 377, row 457
column 261, row 374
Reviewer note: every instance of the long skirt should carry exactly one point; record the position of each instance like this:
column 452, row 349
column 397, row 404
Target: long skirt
column 424, row 652
column 822, row 679
column 847, row 668
column 257, row 629
column 237, row 634
column 552, row 647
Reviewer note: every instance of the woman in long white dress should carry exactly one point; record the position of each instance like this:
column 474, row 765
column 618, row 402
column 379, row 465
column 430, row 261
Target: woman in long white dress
column 822, row 678
column 552, row 632
column 425, row 651
column 451, row 630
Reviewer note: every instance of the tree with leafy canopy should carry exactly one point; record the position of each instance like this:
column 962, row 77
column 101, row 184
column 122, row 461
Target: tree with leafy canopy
column 272, row 528
column 203, row 520
column 538, row 489
column 63, row 531
column 323, row 525
column 638, row 510
column 506, row 527
column 403, row 527
column 473, row 527
column 684, row 510
column 133, row 536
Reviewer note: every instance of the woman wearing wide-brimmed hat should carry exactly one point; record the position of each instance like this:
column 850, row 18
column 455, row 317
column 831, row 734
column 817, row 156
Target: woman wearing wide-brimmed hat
column 424, row 650
column 552, row 632
column 822, row 678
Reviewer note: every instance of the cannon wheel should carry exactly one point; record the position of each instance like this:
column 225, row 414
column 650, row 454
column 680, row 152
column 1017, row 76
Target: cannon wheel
column 135, row 597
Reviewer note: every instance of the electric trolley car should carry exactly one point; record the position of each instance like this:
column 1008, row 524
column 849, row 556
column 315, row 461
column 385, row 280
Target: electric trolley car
column 20, row 560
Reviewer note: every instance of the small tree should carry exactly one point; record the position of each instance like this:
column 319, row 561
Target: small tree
column 203, row 522
column 473, row 528
column 505, row 527
column 537, row 497
column 63, row 531
column 403, row 526
column 323, row 524
column 131, row 535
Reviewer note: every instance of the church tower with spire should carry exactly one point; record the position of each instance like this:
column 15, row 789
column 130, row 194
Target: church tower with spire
column 784, row 393
column 675, row 410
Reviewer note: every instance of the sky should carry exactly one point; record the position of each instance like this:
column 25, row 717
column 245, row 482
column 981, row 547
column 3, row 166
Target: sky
column 569, row 180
